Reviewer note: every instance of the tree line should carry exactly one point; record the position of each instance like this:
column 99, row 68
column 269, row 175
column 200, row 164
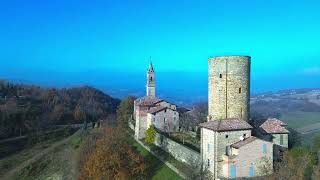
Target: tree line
column 28, row 108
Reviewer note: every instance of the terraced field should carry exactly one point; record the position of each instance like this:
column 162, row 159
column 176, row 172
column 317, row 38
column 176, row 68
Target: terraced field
column 300, row 120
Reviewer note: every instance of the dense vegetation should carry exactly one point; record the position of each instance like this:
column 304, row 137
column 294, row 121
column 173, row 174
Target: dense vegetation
column 111, row 156
column 27, row 108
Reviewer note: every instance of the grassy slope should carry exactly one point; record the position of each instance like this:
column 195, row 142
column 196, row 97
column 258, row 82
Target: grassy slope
column 44, row 161
column 61, row 162
column 156, row 169
column 300, row 119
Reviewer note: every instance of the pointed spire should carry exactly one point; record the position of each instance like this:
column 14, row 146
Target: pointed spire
column 150, row 66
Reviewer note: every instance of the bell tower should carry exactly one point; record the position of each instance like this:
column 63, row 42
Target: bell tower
column 151, row 85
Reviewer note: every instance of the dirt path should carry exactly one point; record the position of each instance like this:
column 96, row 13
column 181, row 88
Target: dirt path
column 34, row 159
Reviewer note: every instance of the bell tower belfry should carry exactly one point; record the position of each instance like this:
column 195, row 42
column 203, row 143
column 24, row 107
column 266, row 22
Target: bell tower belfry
column 151, row 84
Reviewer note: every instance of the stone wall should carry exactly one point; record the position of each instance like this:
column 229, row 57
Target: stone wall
column 229, row 87
column 178, row 151
column 166, row 120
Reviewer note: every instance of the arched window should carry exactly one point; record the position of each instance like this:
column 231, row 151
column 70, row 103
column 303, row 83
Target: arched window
column 220, row 75
column 151, row 78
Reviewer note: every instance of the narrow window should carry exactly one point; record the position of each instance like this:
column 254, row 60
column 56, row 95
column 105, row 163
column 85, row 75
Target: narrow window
column 264, row 148
column 240, row 90
column 244, row 135
column 228, row 151
column 233, row 171
column 165, row 110
column 220, row 75
column 251, row 171
column 227, row 135
column 208, row 162
column 281, row 139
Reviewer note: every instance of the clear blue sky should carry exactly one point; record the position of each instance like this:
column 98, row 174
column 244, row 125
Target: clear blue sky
column 282, row 36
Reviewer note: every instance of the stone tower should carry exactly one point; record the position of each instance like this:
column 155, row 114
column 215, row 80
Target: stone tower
column 229, row 87
column 151, row 84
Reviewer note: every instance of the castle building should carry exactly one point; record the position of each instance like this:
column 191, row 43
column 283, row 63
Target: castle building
column 231, row 145
column 228, row 148
column 229, row 87
column 151, row 110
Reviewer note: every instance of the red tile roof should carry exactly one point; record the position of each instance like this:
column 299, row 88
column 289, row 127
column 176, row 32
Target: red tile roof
column 156, row 109
column 248, row 140
column 226, row 125
column 274, row 126
column 147, row 101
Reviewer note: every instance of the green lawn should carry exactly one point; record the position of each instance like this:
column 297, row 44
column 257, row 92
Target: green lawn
column 301, row 119
column 156, row 169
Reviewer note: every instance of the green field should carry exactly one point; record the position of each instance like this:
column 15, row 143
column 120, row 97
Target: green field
column 156, row 169
column 301, row 119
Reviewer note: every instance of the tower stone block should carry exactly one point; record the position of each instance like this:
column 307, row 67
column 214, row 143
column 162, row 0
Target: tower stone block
column 229, row 87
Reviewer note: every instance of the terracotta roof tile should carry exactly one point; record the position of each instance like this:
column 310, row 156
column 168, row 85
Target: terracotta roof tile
column 248, row 140
column 147, row 101
column 273, row 126
column 226, row 125
column 156, row 109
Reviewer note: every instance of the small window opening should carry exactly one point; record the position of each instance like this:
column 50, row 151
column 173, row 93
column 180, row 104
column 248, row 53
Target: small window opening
column 244, row 135
column 264, row 149
column 240, row 90
column 281, row 139
column 220, row 75
column 208, row 162
column 227, row 135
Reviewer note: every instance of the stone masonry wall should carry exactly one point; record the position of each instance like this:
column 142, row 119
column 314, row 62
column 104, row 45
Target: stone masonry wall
column 229, row 87
column 178, row 151
column 165, row 120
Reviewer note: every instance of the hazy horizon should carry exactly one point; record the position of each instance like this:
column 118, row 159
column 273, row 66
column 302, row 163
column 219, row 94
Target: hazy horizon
column 180, row 87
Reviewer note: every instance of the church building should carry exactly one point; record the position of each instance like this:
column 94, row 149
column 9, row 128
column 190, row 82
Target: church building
column 151, row 110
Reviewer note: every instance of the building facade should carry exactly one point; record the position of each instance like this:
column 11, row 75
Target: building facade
column 228, row 149
column 151, row 110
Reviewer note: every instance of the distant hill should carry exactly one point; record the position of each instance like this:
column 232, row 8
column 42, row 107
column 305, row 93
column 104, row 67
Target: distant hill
column 285, row 101
column 297, row 107
column 25, row 108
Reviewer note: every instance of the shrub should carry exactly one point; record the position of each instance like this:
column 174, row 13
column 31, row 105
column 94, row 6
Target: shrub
column 150, row 135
